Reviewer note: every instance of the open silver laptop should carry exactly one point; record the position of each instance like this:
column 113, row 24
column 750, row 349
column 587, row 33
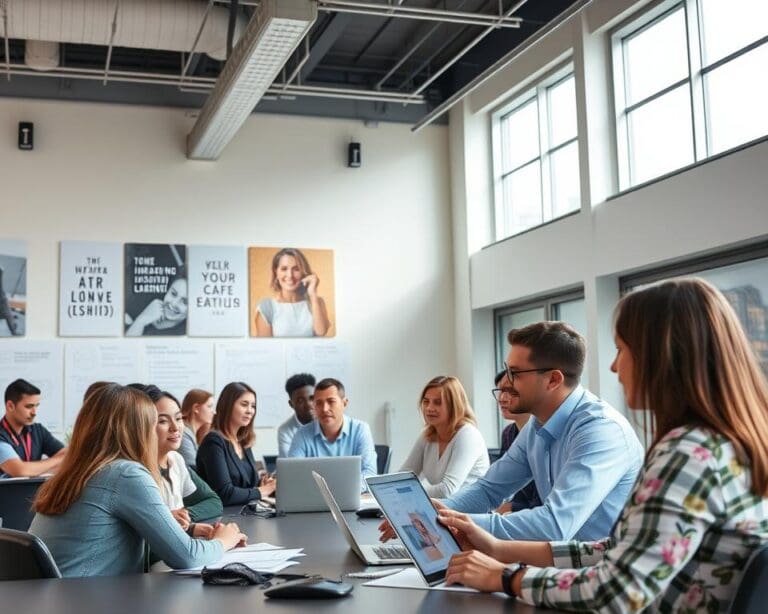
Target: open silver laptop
column 378, row 554
column 296, row 491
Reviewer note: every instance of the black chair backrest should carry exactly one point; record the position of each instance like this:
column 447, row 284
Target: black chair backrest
column 16, row 495
column 383, row 458
column 494, row 454
column 752, row 594
column 24, row 557
column 270, row 460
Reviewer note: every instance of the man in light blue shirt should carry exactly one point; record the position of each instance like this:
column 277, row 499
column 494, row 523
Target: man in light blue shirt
column 581, row 453
column 332, row 433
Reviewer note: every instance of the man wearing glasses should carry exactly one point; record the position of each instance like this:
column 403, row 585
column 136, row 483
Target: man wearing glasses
column 581, row 453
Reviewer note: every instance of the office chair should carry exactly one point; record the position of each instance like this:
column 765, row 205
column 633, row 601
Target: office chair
column 494, row 454
column 16, row 495
column 752, row 594
column 383, row 458
column 24, row 557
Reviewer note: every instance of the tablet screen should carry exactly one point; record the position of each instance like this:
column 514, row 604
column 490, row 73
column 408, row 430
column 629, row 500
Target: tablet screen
column 409, row 510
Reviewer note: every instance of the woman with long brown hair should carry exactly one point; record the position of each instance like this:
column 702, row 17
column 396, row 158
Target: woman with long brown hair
column 700, row 505
column 197, row 411
column 225, row 457
column 97, row 511
column 451, row 451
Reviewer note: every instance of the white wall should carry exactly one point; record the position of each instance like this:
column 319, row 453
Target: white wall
column 118, row 173
column 714, row 206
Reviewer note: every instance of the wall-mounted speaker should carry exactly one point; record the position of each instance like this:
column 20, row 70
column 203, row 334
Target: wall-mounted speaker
column 353, row 156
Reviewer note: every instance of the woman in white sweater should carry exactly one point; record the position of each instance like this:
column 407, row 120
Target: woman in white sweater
column 451, row 452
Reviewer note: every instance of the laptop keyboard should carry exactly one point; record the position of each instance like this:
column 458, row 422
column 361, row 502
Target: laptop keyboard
column 391, row 552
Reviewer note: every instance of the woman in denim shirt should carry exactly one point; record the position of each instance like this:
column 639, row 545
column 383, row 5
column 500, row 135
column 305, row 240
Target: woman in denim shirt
column 97, row 512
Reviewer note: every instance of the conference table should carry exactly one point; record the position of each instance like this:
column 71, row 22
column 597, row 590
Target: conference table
column 327, row 553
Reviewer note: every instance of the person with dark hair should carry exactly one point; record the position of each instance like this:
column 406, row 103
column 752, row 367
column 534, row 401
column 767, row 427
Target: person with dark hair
column 188, row 497
column 301, row 392
column 166, row 316
column 296, row 309
column 526, row 497
column 23, row 443
column 700, row 507
column 582, row 454
column 225, row 457
column 332, row 433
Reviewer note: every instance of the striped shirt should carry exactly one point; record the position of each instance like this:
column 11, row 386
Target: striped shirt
column 680, row 544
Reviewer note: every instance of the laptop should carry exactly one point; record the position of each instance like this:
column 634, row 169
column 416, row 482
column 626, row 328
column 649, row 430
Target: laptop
column 410, row 512
column 378, row 554
column 296, row 489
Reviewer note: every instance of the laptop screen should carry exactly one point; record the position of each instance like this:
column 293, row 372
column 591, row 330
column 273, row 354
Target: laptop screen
column 409, row 510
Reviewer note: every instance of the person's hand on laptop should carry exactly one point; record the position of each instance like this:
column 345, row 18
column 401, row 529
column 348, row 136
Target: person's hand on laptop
column 268, row 485
column 468, row 535
column 475, row 570
column 387, row 532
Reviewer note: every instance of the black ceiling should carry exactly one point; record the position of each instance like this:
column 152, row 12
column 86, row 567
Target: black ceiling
column 346, row 50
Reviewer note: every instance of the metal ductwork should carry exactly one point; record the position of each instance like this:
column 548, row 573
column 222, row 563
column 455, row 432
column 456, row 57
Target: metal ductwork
column 170, row 25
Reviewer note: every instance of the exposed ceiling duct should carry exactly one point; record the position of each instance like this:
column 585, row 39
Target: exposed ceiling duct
column 272, row 35
column 170, row 25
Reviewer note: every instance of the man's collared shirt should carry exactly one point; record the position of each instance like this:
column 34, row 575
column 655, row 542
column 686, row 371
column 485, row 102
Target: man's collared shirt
column 584, row 461
column 285, row 434
column 355, row 439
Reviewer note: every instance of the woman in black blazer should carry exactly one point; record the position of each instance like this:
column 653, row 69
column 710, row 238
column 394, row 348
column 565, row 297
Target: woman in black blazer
column 225, row 458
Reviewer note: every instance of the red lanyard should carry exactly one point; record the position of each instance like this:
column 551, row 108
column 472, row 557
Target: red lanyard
column 26, row 442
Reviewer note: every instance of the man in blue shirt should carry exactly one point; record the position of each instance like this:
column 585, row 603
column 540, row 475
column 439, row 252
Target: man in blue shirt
column 332, row 433
column 22, row 442
column 582, row 454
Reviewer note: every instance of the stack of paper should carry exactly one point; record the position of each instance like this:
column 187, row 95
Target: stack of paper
column 262, row 557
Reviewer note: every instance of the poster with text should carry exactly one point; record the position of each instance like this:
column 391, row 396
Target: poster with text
column 155, row 290
column 86, row 362
column 262, row 367
column 292, row 292
column 41, row 364
column 13, row 288
column 90, row 289
column 218, row 291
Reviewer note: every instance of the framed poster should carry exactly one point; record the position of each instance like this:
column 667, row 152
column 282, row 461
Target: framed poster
column 13, row 288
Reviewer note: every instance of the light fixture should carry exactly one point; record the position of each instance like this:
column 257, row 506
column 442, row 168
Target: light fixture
column 272, row 35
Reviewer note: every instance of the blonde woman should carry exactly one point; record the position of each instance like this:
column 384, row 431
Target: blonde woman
column 97, row 512
column 450, row 452
column 699, row 507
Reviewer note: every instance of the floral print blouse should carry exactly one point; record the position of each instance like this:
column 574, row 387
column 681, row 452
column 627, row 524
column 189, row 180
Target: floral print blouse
column 680, row 544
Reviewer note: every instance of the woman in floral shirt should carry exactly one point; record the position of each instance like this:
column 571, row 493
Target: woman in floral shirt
column 699, row 507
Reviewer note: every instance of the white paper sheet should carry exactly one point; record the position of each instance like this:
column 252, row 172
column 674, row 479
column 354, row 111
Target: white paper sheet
column 265, row 560
column 178, row 366
column 320, row 358
column 41, row 363
column 86, row 362
column 410, row 578
column 261, row 364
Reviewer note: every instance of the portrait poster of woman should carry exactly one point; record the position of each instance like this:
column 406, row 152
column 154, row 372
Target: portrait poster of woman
column 292, row 292
column 155, row 290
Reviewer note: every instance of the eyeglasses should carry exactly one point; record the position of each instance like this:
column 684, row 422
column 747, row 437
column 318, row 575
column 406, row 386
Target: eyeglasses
column 499, row 392
column 511, row 375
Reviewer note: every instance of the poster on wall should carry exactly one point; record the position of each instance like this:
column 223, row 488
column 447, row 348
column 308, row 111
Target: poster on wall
column 292, row 292
column 90, row 289
column 13, row 288
column 155, row 290
column 86, row 362
column 41, row 364
column 218, row 291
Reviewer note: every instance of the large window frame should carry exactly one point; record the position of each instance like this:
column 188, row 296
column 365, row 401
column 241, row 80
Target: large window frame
column 698, row 70
column 540, row 95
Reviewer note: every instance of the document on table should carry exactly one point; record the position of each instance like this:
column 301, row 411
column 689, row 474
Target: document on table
column 410, row 578
column 259, row 557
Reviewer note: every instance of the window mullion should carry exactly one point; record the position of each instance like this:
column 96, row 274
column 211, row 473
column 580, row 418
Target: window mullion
column 544, row 172
column 697, row 92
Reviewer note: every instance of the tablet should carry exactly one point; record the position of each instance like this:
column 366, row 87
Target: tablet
column 408, row 509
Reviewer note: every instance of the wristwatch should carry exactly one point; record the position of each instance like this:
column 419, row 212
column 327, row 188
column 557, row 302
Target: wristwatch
column 508, row 574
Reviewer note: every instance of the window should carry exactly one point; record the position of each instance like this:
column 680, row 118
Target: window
column 536, row 157
column 566, row 307
column 689, row 84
